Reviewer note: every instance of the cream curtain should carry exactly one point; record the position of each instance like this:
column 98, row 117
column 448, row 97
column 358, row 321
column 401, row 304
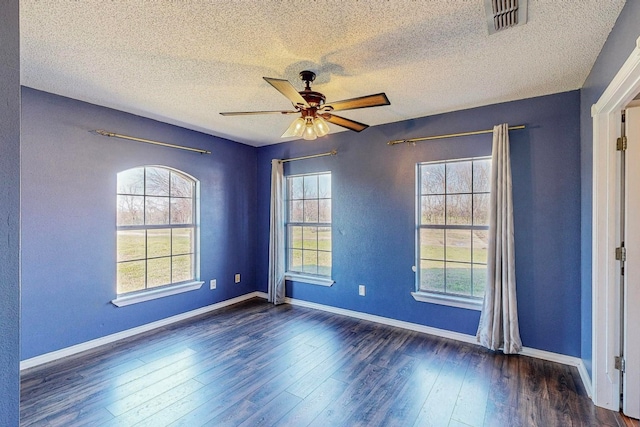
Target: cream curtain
column 498, row 326
column 276, row 234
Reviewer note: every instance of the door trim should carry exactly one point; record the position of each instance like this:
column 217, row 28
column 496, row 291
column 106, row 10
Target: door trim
column 604, row 282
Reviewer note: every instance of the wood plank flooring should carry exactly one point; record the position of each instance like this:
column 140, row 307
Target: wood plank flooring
column 256, row 364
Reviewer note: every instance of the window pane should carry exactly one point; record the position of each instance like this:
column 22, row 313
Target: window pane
column 311, row 211
column 432, row 276
column 458, row 177
column 131, row 245
column 432, row 177
column 480, row 246
column 453, row 197
column 156, row 210
column 481, row 175
column 181, row 211
column 311, row 187
column 295, row 237
column 130, row 210
column 432, row 210
column 310, row 262
column 458, row 245
column 296, row 190
column 432, row 244
column 181, row 268
column 309, row 204
column 295, row 260
column 182, row 241
column 459, row 209
column 131, row 181
column 296, row 211
column 481, row 209
column 158, row 272
column 324, row 186
column 479, row 280
column 324, row 239
column 324, row 207
column 157, row 182
column 130, row 276
column 181, row 186
column 158, row 242
column 324, row 263
column 310, row 238
column 152, row 196
column 458, row 278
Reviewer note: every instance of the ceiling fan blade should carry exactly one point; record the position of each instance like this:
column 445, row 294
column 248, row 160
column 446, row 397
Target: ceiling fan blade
column 361, row 102
column 250, row 113
column 287, row 89
column 345, row 123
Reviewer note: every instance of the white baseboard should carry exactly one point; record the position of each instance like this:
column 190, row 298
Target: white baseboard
column 68, row 351
column 586, row 379
column 386, row 321
column 470, row 339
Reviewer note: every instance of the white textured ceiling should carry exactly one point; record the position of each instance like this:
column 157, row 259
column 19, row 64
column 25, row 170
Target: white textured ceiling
column 184, row 62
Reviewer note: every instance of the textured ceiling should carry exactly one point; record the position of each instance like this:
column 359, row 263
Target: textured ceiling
column 184, row 62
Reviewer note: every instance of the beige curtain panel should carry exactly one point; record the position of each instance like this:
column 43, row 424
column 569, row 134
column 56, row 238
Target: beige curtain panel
column 498, row 326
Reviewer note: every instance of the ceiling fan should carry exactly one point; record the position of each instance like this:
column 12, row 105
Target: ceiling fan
column 314, row 113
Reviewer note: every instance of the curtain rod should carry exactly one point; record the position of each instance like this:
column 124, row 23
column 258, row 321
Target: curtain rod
column 329, row 153
column 449, row 135
column 148, row 141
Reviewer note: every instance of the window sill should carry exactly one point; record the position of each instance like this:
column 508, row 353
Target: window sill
column 449, row 300
column 125, row 300
column 312, row 280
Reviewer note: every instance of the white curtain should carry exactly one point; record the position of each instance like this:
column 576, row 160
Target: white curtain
column 276, row 234
column 499, row 318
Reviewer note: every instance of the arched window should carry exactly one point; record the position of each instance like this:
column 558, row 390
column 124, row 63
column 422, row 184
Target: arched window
column 156, row 228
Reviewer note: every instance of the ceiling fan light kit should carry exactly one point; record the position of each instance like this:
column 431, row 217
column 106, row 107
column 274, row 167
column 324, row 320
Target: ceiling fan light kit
column 314, row 112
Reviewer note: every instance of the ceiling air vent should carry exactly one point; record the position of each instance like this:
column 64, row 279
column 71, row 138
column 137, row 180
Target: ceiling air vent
column 503, row 14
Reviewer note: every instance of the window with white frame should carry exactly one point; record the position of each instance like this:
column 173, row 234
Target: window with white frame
column 308, row 225
column 452, row 227
column 156, row 228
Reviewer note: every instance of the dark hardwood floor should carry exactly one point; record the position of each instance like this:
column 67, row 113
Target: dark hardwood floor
column 256, row 364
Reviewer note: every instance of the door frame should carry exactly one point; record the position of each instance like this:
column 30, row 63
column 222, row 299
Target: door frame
column 605, row 281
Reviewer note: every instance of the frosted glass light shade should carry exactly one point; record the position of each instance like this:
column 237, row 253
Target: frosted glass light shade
column 309, row 131
column 296, row 128
column 321, row 127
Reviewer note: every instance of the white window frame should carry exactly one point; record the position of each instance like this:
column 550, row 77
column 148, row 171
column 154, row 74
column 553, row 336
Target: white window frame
column 194, row 283
column 434, row 297
column 298, row 276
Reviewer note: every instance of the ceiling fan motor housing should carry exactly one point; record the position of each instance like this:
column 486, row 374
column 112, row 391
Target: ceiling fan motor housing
column 314, row 99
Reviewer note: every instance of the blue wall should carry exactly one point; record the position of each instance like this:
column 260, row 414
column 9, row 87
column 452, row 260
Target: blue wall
column 619, row 44
column 9, row 213
column 68, row 218
column 374, row 213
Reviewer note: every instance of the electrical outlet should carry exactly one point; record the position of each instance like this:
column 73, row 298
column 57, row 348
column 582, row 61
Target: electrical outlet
column 212, row 284
column 361, row 290
column 238, row 278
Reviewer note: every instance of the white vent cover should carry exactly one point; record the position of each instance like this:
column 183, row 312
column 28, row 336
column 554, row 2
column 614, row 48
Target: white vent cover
column 503, row 14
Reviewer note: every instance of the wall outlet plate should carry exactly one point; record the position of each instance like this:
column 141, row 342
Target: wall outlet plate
column 237, row 278
column 212, row 284
column 361, row 290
